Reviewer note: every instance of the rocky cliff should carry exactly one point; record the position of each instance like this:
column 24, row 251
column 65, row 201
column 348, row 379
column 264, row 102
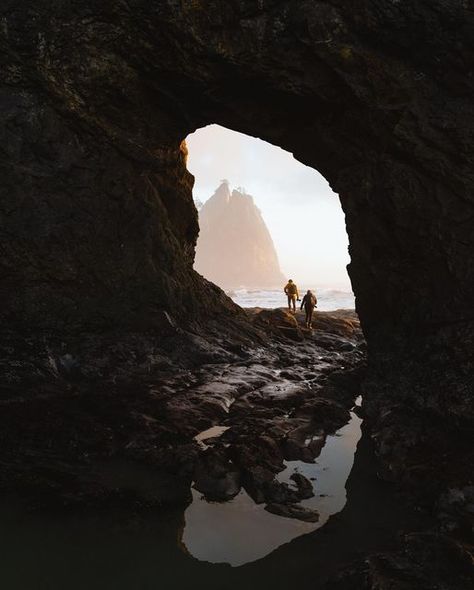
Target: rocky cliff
column 234, row 247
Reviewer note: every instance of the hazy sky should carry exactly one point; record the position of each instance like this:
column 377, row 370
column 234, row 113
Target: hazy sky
column 302, row 213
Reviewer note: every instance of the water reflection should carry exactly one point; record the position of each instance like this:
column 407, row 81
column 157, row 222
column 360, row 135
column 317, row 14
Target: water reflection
column 240, row 531
column 123, row 550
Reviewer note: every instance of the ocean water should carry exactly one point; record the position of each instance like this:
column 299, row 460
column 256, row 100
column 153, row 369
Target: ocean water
column 328, row 299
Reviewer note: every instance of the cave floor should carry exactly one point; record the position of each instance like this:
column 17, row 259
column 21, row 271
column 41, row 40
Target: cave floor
column 96, row 480
column 124, row 549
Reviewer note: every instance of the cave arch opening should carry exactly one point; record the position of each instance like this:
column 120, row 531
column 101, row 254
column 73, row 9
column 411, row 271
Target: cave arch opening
column 264, row 217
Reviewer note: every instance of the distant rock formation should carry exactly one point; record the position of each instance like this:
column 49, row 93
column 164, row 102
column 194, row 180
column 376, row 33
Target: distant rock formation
column 234, row 247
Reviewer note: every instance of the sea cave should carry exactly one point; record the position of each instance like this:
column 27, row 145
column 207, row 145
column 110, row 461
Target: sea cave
column 115, row 354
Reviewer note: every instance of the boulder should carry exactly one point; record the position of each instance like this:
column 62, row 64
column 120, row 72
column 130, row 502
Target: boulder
column 293, row 511
column 305, row 487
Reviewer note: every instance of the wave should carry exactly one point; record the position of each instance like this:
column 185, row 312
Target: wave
column 246, row 291
column 329, row 299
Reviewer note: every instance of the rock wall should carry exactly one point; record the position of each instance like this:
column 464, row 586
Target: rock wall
column 98, row 226
column 234, row 247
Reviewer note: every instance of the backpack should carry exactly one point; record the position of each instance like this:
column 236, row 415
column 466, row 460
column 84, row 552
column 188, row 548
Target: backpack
column 311, row 300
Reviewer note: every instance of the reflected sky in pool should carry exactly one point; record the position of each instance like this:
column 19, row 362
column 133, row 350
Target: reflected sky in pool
column 240, row 531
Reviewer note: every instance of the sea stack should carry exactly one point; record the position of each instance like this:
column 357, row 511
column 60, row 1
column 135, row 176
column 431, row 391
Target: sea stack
column 235, row 248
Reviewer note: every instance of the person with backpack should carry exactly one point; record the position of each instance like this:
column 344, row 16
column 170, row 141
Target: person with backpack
column 291, row 291
column 309, row 303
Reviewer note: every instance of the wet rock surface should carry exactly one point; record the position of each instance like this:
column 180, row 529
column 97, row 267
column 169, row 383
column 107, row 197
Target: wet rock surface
column 268, row 405
column 429, row 561
column 293, row 511
column 222, row 427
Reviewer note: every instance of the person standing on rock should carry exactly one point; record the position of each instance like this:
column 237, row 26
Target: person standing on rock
column 309, row 303
column 291, row 291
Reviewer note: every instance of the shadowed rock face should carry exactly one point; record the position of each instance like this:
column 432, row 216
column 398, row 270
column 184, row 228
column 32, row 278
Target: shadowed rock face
column 98, row 226
column 235, row 248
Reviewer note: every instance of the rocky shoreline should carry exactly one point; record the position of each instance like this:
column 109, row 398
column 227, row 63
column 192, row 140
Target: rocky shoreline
column 271, row 399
